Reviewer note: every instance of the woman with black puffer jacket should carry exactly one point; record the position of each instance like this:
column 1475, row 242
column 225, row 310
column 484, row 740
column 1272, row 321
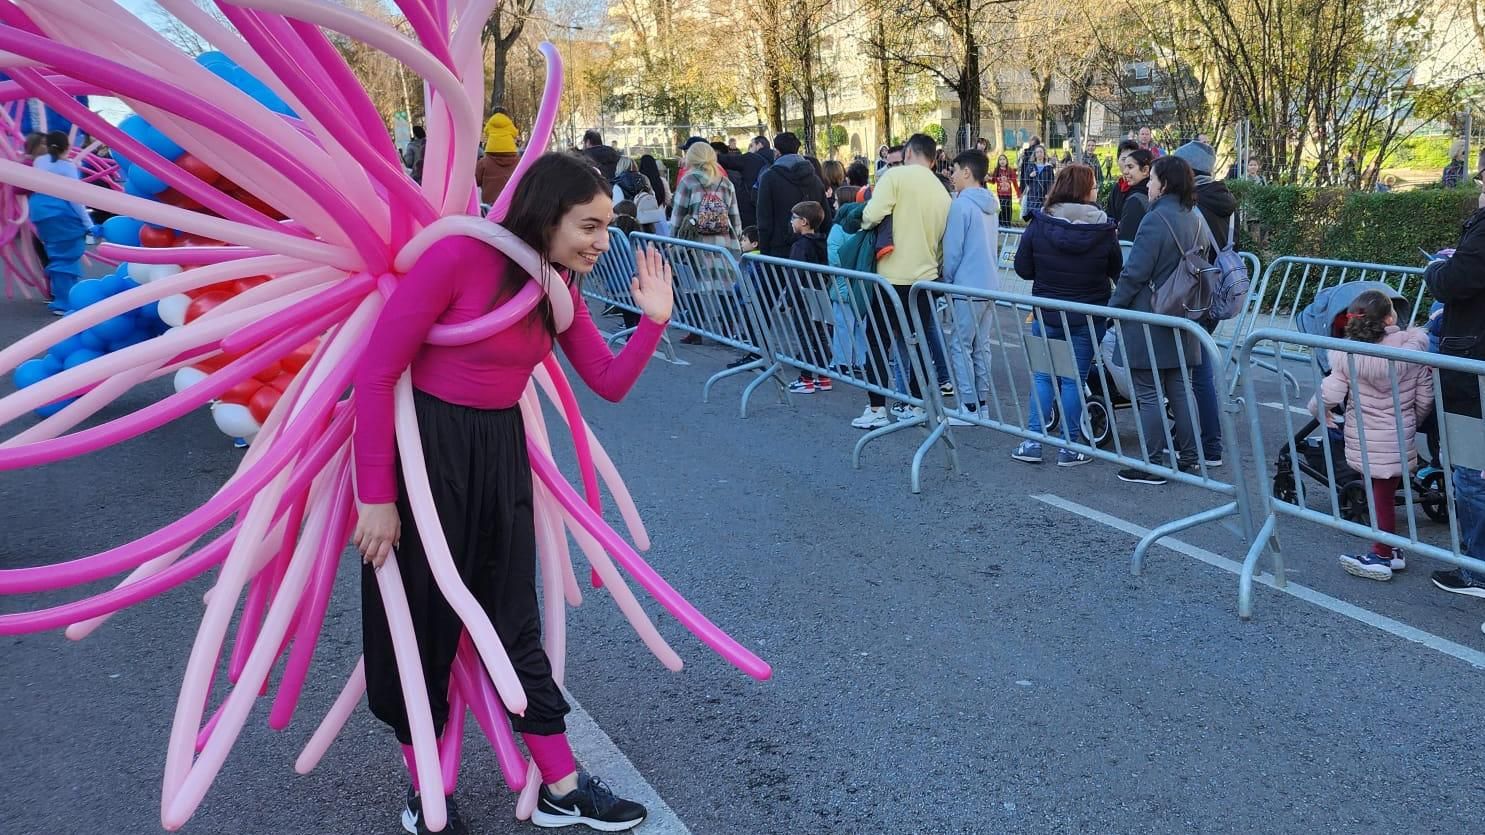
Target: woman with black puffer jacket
column 1070, row 252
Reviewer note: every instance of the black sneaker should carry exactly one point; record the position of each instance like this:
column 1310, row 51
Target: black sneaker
column 1134, row 476
column 412, row 817
column 743, row 360
column 591, row 804
column 1459, row 582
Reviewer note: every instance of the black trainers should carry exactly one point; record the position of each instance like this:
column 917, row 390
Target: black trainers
column 412, row 817
column 743, row 360
column 1459, row 582
column 591, row 804
column 1135, row 476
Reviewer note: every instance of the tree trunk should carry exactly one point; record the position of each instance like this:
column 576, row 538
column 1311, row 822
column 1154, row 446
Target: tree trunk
column 804, row 44
column 969, row 94
column 883, row 83
column 775, row 99
column 500, row 63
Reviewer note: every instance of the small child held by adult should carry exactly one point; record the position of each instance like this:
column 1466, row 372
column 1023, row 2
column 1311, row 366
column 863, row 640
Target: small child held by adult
column 1386, row 427
column 809, row 247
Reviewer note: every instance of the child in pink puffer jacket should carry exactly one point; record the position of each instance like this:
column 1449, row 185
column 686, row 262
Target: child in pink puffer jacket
column 1387, row 427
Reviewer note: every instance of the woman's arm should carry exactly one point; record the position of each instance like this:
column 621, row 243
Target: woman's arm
column 423, row 294
column 1139, row 270
column 609, row 376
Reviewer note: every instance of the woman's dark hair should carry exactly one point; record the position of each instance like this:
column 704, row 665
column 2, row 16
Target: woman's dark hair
column 1141, row 156
column 857, row 174
column 1176, row 179
column 1127, row 145
column 835, row 173
column 1072, row 185
column 720, row 147
column 651, row 169
column 57, row 144
column 35, row 144
column 819, row 170
column 550, row 188
column 1366, row 318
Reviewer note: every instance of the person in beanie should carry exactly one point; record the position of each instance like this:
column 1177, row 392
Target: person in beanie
column 474, row 446
column 1217, row 205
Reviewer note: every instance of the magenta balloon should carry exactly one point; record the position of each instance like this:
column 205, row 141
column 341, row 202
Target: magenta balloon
column 484, row 702
column 307, row 632
column 541, row 132
column 185, row 256
column 339, row 75
column 722, row 643
column 349, row 291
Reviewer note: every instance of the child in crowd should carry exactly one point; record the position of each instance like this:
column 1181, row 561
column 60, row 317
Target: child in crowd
column 847, row 308
column 809, row 247
column 1386, row 428
column 1004, row 177
column 969, row 260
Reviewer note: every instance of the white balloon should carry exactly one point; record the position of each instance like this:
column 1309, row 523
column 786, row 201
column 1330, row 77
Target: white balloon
column 235, row 420
column 173, row 309
column 145, row 273
column 187, row 377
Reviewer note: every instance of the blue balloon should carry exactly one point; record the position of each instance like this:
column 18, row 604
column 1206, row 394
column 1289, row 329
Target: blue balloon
column 77, row 358
column 89, row 342
column 84, row 293
column 150, row 137
column 145, row 183
column 52, row 408
column 52, row 363
column 150, row 313
column 60, row 350
column 29, row 373
column 115, row 284
column 114, row 329
column 121, row 230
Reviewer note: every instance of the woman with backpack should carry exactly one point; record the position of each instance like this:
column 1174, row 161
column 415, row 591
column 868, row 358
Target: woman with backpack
column 1167, row 233
column 705, row 211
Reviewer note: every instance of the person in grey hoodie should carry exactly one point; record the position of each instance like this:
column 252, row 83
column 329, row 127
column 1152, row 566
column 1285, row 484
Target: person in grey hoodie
column 970, row 260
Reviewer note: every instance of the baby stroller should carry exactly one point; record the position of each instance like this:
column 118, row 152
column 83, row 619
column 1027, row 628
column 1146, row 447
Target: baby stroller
column 1306, row 451
column 1101, row 401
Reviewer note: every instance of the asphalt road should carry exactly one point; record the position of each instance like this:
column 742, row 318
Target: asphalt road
column 971, row 659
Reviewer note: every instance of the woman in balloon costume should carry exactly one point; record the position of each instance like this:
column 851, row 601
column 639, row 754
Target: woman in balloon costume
column 392, row 349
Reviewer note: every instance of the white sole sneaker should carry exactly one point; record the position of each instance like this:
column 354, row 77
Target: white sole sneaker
column 1366, row 572
column 546, row 820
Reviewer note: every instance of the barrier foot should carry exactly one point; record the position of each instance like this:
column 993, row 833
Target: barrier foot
column 706, row 388
column 880, row 433
column 762, row 378
column 939, row 431
column 1250, row 567
column 1137, row 563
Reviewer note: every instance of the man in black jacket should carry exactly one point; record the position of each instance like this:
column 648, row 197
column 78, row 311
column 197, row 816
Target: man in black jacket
column 1459, row 282
column 749, row 168
column 603, row 157
column 1213, row 197
column 790, row 180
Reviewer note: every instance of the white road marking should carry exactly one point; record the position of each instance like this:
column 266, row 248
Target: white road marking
column 603, row 758
column 1285, row 406
column 1469, row 655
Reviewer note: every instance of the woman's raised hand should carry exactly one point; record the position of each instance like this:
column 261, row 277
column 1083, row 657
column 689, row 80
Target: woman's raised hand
column 653, row 285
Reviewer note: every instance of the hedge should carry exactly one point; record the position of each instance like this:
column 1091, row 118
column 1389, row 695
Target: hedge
column 1381, row 228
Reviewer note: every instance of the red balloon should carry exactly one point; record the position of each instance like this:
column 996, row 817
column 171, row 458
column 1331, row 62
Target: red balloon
column 156, row 237
column 296, row 361
column 242, row 393
column 263, row 402
column 205, row 302
column 198, row 169
column 282, row 381
column 268, row 373
column 244, row 284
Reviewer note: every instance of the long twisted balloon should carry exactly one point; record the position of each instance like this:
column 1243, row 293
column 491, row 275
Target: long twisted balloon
column 290, row 174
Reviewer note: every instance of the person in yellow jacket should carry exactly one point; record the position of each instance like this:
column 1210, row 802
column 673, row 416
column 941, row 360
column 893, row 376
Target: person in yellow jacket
column 916, row 200
column 493, row 170
column 501, row 133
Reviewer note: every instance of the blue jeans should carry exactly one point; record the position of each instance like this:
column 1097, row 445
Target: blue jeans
column 1072, row 404
column 1469, row 509
column 1208, row 414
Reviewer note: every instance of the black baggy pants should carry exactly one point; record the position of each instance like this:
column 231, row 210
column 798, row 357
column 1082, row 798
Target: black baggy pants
column 481, row 482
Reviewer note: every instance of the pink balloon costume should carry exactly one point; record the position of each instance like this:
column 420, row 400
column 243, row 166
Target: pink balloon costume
column 357, row 224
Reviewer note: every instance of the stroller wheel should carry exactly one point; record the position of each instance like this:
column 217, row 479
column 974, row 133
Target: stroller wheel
column 1054, row 420
column 1097, row 419
column 1284, row 488
column 1353, row 503
column 1434, row 500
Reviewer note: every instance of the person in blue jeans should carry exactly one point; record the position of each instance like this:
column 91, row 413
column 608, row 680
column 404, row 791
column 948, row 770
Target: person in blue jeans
column 1070, row 252
column 1457, row 279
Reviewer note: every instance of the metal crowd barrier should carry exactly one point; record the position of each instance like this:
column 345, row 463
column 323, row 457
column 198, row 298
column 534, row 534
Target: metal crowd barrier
column 608, row 284
column 1288, row 284
column 1312, row 477
column 807, row 306
column 1012, row 355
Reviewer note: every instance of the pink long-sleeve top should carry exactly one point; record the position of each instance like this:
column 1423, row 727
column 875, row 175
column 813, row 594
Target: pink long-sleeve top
column 458, row 280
